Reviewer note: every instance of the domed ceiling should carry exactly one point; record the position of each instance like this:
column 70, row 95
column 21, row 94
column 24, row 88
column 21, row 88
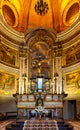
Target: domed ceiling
column 23, row 14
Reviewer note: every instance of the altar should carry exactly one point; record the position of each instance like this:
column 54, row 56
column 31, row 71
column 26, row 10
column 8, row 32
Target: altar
column 41, row 111
column 27, row 106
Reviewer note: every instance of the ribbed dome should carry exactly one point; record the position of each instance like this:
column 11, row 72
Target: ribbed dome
column 21, row 14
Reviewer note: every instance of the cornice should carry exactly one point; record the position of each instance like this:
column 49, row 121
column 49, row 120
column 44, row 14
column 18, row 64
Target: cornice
column 75, row 40
column 69, row 69
column 9, row 33
column 8, row 43
column 70, row 33
column 9, row 69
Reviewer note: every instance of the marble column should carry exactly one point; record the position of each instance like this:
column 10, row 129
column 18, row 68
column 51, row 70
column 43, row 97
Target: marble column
column 20, row 76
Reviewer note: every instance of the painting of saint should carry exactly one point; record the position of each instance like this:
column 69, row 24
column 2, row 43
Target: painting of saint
column 7, row 55
column 7, row 81
column 73, row 80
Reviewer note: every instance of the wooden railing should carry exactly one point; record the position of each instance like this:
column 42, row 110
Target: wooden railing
column 11, row 114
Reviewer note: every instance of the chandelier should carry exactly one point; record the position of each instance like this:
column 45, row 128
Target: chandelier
column 41, row 7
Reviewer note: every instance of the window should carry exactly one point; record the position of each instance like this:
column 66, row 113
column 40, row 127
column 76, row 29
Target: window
column 40, row 84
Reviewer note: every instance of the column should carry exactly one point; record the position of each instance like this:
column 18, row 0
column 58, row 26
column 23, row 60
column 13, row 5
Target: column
column 17, row 91
column 60, row 75
column 27, row 75
column 53, row 70
column 59, row 66
column 57, row 74
column 22, row 75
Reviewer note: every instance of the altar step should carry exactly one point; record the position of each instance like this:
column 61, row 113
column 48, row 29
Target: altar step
column 39, row 125
column 46, row 125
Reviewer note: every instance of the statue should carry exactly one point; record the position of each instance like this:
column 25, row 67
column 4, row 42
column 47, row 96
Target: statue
column 39, row 68
column 40, row 110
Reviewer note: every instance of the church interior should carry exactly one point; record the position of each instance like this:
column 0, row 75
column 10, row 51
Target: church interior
column 39, row 64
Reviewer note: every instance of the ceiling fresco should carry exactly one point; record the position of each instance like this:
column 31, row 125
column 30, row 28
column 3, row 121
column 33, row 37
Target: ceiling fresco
column 21, row 14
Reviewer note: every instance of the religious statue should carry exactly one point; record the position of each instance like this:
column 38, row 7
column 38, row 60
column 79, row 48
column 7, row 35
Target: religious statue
column 39, row 69
column 40, row 110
